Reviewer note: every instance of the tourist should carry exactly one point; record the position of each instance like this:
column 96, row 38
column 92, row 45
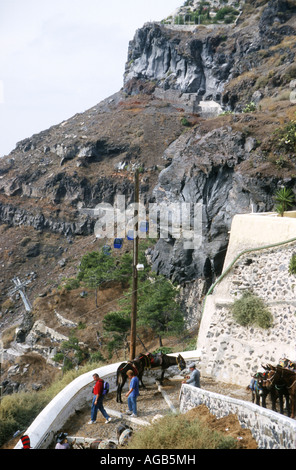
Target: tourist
column 133, row 393
column 97, row 402
column 26, row 441
column 62, row 442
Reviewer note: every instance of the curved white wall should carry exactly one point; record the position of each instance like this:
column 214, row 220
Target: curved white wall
column 73, row 397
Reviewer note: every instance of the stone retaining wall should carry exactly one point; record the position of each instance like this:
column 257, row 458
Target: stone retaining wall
column 271, row 430
column 266, row 273
column 232, row 353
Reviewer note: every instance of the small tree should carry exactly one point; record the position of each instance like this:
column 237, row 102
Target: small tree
column 125, row 268
column 117, row 325
column 284, row 199
column 159, row 309
column 95, row 269
column 285, row 137
column 71, row 353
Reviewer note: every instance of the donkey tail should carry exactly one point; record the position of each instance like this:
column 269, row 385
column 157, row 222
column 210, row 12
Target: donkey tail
column 119, row 374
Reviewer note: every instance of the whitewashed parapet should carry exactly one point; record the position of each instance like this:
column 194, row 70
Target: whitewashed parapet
column 72, row 398
column 76, row 396
column 271, row 430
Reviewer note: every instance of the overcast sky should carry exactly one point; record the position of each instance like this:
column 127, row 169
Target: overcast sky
column 61, row 57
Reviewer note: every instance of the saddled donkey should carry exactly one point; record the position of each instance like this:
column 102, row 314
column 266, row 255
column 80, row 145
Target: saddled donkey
column 137, row 365
column 163, row 361
column 284, row 381
column 278, row 390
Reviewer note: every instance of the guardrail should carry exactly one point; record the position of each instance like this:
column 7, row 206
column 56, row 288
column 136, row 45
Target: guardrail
column 270, row 429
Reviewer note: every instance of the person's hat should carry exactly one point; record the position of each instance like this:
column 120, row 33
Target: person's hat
column 192, row 365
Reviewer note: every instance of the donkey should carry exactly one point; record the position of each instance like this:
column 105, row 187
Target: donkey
column 164, row 362
column 138, row 366
column 284, row 381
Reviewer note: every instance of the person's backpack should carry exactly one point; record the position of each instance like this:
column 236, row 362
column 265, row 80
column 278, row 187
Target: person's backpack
column 105, row 388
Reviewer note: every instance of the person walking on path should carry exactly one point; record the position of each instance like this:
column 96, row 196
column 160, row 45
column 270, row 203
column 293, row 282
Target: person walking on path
column 97, row 402
column 132, row 394
column 194, row 378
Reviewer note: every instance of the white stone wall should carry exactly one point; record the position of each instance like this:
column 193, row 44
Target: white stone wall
column 72, row 398
column 76, row 396
column 266, row 273
column 230, row 352
column 271, row 430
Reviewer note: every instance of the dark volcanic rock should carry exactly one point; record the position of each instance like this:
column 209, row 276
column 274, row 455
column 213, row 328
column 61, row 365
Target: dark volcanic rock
column 207, row 171
column 90, row 158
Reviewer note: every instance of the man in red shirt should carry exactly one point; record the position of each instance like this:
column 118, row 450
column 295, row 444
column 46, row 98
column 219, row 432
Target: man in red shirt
column 97, row 402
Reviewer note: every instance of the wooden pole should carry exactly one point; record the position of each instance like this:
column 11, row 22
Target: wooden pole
column 135, row 272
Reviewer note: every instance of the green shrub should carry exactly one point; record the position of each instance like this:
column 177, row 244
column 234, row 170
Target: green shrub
column 71, row 284
column 177, row 430
column 251, row 310
column 185, row 122
column 249, row 108
column 225, row 11
column 285, row 137
column 96, row 357
column 292, row 265
column 19, row 410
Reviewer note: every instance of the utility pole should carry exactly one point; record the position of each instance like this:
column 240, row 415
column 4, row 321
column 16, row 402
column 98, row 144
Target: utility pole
column 135, row 270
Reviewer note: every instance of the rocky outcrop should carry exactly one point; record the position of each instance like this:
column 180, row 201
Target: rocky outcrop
column 176, row 61
column 210, row 169
column 15, row 216
column 155, row 123
column 206, row 170
column 203, row 60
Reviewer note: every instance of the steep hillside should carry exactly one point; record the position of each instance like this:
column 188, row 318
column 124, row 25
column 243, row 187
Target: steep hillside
column 161, row 122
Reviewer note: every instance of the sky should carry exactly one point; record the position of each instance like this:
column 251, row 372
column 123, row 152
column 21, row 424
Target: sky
column 61, row 57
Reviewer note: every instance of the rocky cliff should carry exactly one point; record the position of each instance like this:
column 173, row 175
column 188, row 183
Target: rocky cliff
column 167, row 120
column 227, row 163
